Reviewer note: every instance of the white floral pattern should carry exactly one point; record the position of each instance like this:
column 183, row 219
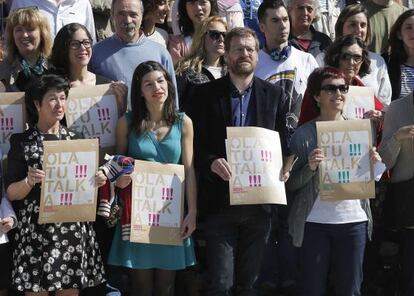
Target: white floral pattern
column 44, row 259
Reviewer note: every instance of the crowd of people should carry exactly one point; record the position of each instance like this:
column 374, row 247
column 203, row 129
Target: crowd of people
column 182, row 71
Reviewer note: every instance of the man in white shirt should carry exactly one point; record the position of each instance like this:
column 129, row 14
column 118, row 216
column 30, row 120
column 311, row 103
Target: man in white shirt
column 283, row 65
column 62, row 12
column 280, row 63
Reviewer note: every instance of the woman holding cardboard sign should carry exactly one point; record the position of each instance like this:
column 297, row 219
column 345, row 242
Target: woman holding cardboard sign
column 154, row 131
column 59, row 257
column 72, row 51
column 332, row 234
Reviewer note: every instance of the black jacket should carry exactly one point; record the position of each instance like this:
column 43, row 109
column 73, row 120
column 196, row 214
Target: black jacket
column 211, row 112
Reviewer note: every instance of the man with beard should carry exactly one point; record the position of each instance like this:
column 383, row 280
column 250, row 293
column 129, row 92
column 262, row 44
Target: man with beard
column 117, row 56
column 235, row 235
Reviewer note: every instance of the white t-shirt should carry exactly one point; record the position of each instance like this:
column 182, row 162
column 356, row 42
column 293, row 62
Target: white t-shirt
column 68, row 11
column 217, row 72
column 337, row 212
column 160, row 36
column 291, row 74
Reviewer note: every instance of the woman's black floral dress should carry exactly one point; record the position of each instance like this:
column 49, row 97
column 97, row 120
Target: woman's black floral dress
column 48, row 257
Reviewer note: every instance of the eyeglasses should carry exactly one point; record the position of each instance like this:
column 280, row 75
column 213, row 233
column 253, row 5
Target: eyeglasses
column 76, row 44
column 215, row 35
column 348, row 57
column 332, row 88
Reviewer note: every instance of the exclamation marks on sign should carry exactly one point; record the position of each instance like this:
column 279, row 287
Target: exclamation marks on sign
column 6, row 123
column 354, row 149
column 103, row 114
column 266, row 155
column 359, row 112
column 81, row 171
column 167, row 193
column 154, row 219
column 66, row 198
column 343, row 177
column 255, row 180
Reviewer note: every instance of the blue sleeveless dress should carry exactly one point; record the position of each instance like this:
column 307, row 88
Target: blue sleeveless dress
column 145, row 256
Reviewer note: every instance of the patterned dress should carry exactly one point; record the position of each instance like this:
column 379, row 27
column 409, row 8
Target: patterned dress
column 53, row 256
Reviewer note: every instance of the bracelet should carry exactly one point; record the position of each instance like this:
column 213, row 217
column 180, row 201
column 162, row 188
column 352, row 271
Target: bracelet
column 28, row 184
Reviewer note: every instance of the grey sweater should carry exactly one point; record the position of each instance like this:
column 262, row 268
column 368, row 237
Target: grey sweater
column 398, row 155
column 304, row 183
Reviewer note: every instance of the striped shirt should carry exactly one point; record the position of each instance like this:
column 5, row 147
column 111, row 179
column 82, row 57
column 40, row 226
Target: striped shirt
column 407, row 80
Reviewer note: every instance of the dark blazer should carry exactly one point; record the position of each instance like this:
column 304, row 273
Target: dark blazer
column 394, row 72
column 212, row 112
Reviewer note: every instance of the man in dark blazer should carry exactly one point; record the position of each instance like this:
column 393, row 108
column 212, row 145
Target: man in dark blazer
column 235, row 235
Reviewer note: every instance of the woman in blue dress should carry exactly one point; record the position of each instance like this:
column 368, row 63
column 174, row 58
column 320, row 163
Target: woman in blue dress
column 154, row 131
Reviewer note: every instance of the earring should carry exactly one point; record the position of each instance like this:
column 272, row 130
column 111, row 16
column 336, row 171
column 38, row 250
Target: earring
column 318, row 104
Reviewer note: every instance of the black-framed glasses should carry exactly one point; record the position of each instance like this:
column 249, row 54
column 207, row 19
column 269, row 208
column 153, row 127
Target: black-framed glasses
column 332, row 88
column 348, row 57
column 76, row 44
column 215, row 34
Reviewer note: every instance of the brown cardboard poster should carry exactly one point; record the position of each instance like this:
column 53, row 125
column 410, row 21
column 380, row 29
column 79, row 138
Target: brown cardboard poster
column 92, row 111
column 346, row 172
column 255, row 158
column 157, row 203
column 12, row 117
column 359, row 100
column 68, row 192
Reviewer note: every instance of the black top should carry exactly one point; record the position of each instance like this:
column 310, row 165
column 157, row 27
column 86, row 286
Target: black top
column 27, row 149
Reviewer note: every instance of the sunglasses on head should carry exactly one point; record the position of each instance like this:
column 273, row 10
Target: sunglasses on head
column 332, row 88
column 348, row 57
column 215, row 35
column 76, row 44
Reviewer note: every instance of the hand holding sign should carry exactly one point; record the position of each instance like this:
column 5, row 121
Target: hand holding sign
column 100, row 178
column 374, row 156
column 34, row 176
column 315, row 157
column 221, row 167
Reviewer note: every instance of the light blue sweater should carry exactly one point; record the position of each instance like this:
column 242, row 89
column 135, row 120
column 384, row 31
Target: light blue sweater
column 117, row 60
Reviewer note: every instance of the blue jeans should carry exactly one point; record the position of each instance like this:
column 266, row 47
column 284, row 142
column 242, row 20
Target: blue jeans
column 336, row 249
column 235, row 243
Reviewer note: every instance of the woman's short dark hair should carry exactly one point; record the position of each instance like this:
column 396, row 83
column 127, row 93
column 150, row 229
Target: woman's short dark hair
column 318, row 75
column 396, row 45
column 37, row 90
column 184, row 21
column 345, row 14
column 310, row 109
column 61, row 46
column 139, row 109
column 333, row 54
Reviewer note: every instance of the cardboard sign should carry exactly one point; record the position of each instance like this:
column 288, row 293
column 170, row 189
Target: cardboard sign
column 255, row 158
column 157, row 203
column 359, row 99
column 346, row 172
column 68, row 192
column 92, row 111
column 12, row 117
